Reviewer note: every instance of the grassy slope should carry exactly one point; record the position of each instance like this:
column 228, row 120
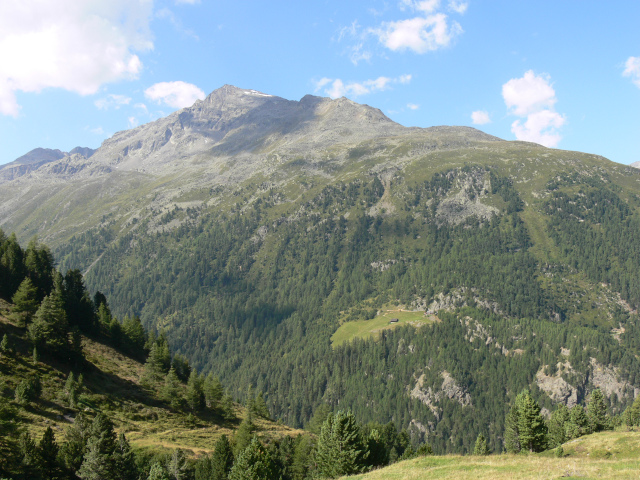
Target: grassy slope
column 112, row 386
column 605, row 455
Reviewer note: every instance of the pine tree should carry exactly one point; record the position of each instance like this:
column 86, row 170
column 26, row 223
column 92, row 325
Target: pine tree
column 5, row 346
column 341, row 449
column 597, row 411
column 177, row 466
column 135, row 335
column 195, row 392
column 158, row 472
column 29, row 461
column 213, row 391
column 511, row 433
column 260, row 407
column 203, row 468
column 632, row 413
column 125, row 460
column 28, row 390
column 253, row 463
column 243, row 435
column 11, row 266
column 98, row 462
column 25, row 302
column 481, row 447
column 557, row 426
column 172, row 390
column 221, row 460
column 48, row 453
column 74, row 447
column 578, row 423
column 320, row 415
column 226, row 407
column 532, row 431
column 49, row 328
column 301, row 466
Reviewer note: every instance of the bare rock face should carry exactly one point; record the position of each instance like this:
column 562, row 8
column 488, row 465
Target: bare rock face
column 557, row 388
column 29, row 162
column 466, row 199
column 448, row 389
column 607, row 379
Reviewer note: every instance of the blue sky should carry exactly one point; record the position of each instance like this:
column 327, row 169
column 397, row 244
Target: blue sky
column 562, row 73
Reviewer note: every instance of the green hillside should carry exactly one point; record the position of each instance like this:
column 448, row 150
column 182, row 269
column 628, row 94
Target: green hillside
column 604, row 455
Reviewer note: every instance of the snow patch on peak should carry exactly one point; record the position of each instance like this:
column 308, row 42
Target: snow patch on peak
column 256, row 93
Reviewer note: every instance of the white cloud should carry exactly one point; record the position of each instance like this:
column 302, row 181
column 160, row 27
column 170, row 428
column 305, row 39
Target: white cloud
column 112, row 101
column 480, row 117
column 174, row 94
column 69, row 44
column 532, row 97
column 132, row 122
column 528, row 94
column 413, row 106
column 458, row 7
column 540, row 127
column 337, row 88
column 189, row 2
column 420, row 34
column 632, row 69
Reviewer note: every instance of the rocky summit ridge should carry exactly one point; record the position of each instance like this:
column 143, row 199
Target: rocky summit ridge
column 223, row 140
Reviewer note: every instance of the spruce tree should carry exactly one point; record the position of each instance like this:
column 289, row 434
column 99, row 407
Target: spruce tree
column 532, row 431
column 172, row 390
column 74, row 447
column 25, row 302
column 5, row 346
column 253, row 463
column 213, row 391
column 632, row 413
column 597, row 411
column 49, row 328
column 221, row 460
column 226, row 407
column 341, row 449
column 48, row 453
column 29, row 456
column 557, row 426
column 578, row 423
column 244, row 434
column 177, row 466
column 481, row 447
column 98, row 462
column 260, row 407
column 195, row 392
column 511, row 433
column 158, row 472
column 302, row 465
column 125, row 460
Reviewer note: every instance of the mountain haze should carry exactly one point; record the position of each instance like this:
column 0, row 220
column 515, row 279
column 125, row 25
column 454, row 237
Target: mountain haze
column 273, row 240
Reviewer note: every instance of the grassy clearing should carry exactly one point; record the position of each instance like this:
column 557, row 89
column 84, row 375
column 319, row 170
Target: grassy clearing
column 371, row 328
column 605, row 455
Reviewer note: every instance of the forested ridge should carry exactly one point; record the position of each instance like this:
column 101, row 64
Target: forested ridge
column 254, row 292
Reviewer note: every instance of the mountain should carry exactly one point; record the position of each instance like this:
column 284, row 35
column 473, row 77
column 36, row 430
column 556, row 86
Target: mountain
column 35, row 159
column 274, row 240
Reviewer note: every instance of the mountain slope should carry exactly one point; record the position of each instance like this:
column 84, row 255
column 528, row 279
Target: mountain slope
column 250, row 228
